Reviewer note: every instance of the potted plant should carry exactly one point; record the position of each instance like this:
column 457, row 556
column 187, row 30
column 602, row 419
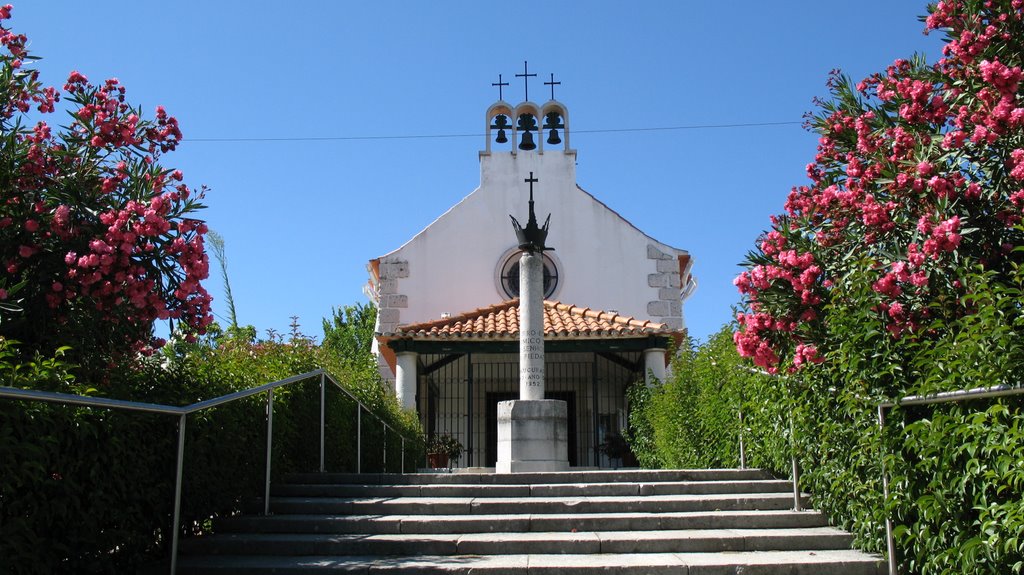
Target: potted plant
column 442, row 450
column 615, row 447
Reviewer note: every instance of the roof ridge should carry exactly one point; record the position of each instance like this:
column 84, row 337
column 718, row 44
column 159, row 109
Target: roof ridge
column 560, row 320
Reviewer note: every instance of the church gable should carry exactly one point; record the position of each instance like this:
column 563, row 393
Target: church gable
column 466, row 258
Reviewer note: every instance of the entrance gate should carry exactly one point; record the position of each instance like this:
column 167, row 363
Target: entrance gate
column 458, row 395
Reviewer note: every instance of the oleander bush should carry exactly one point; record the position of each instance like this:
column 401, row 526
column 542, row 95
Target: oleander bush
column 896, row 271
column 98, row 240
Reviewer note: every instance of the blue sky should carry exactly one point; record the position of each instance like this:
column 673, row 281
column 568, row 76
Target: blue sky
column 301, row 218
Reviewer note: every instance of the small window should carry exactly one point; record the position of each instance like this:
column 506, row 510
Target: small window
column 510, row 276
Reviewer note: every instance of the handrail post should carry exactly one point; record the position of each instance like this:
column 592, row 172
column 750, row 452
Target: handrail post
column 796, row 470
column 175, row 527
column 359, row 437
column 322, row 468
column 270, row 437
column 402, row 470
column 385, row 447
column 743, row 454
column 889, row 542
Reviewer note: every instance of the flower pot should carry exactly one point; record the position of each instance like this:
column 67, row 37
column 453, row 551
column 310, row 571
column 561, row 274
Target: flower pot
column 437, row 460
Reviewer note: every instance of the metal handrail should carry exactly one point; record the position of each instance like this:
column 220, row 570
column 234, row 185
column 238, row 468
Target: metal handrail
column 929, row 399
column 183, row 411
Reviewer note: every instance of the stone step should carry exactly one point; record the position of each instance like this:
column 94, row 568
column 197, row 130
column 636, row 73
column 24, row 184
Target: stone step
column 374, row 524
column 746, row 562
column 572, row 543
column 591, row 476
column 533, row 505
column 538, row 490
column 703, row 522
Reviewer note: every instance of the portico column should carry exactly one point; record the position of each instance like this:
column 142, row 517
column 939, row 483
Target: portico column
column 405, row 379
column 654, row 365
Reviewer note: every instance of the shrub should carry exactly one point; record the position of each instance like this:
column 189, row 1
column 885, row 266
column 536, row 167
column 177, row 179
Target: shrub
column 91, row 491
column 895, row 272
column 97, row 238
column 686, row 420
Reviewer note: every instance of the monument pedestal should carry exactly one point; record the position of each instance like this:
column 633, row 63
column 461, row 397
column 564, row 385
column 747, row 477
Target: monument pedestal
column 532, row 436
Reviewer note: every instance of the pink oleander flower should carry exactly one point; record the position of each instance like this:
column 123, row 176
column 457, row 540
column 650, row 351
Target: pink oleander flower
column 1016, row 164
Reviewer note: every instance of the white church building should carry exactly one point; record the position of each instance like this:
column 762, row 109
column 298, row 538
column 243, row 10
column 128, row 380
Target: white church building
column 447, row 325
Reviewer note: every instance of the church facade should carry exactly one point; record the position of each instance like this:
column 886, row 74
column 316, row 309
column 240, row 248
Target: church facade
column 447, row 325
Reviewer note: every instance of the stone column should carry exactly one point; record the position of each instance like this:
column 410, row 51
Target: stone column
column 405, row 379
column 531, row 430
column 531, row 326
column 654, row 365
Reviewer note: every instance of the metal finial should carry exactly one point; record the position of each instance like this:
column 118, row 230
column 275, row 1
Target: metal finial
column 552, row 83
column 526, row 75
column 531, row 238
column 499, row 84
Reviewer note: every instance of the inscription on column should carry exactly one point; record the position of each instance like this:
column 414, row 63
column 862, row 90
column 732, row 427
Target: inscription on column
column 531, row 357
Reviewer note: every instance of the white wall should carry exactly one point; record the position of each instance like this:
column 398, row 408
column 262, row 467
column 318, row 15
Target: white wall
column 605, row 262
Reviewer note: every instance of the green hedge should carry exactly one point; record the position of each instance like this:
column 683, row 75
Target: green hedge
column 956, row 470
column 91, row 491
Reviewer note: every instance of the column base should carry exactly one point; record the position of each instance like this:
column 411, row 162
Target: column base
column 532, row 436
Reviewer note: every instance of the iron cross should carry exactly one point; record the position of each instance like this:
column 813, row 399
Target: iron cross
column 499, row 84
column 531, row 180
column 552, row 83
column 526, row 80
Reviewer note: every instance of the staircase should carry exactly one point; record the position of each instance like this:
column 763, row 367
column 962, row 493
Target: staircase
column 692, row 522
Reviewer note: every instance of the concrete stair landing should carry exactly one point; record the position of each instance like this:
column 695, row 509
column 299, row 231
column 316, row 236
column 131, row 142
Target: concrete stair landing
column 686, row 522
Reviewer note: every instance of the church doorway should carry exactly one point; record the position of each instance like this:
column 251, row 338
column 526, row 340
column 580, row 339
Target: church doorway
column 459, row 392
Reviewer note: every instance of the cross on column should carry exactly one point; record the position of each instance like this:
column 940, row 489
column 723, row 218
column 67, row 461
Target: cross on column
column 531, row 180
column 552, row 83
column 499, row 84
column 526, row 80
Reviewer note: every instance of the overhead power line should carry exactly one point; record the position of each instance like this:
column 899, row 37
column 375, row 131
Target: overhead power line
column 439, row 136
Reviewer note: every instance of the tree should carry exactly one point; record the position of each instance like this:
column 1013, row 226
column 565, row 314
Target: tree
column 917, row 184
column 217, row 245
column 97, row 238
column 349, row 335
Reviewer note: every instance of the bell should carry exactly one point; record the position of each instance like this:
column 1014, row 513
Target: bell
column 500, row 123
column 526, row 142
column 552, row 121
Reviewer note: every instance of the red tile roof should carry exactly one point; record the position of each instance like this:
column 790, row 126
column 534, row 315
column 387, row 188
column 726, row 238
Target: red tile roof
column 501, row 321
